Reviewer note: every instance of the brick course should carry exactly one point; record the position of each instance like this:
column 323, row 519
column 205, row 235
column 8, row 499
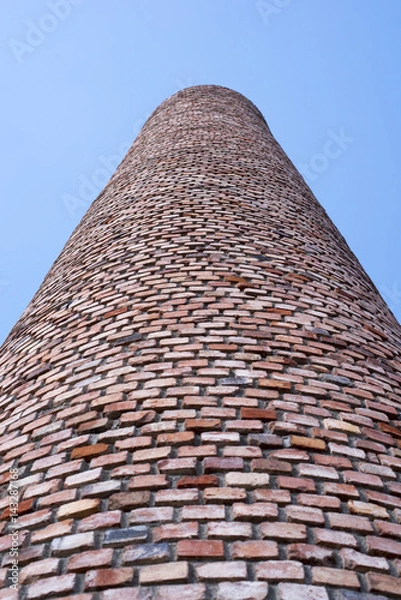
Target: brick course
column 203, row 398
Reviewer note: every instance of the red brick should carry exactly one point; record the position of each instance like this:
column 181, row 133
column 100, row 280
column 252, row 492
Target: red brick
column 200, row 548
column 247, row 480
column 148, row 482
column 357, row 561
column 240, row 590
column 202, row 424
column 319, row 501
column 203, row 513
column 175, row 531
column 69, row 544
column 87, row 560
column 52, row 531
column 88, row 452
column 151, row 454
column 342, row 490
column 337, row 577
column 177, row 466
column 223, row 494
column 362, row 479
column 221, row 570
column 383, row 583
column 255, row 549
column 213, row 464
column 79, row 509
column 200, row 481
column 283, row 531
column 177, row 497
column 258, row 413
column 337, row 539
column 275, row 496
column 163, row 572
column 103, row 578
column 305, row 514
column 343, row 521
column 149, row 515
column 101, row 520
column 294, row 591
column 367, row 508
column 48, row 566
column 270, row 465
column 193, row 591
column 381, row 546
column 305, row 442
column 127, row 500
column 59, row 584
column 314, row 555
column 296, row 483
column 280, row 570
column 259, row 511
column 386, row 528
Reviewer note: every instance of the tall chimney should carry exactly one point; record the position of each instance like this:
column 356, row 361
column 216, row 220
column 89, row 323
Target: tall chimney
column 202, row 401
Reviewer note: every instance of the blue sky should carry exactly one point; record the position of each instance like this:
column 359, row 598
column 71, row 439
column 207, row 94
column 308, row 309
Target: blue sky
column 79, row 78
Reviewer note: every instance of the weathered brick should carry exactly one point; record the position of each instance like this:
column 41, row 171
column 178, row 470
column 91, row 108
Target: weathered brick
column 241, row 590
column 29, row 573
column 294, row 591
column 227, row 530
column 90, row 559
column 224, row 494
column 255, row 549
column 357, row 561
column 72, row 543
column 103, row 578
column 59, row 584
column 304, row 514
column 283, row 531
column 314, row 555
column 381, row 546
column 280, row 570
column 121, row 537
column 383, row 583
column 337, row 539
column 78, row 509
column 200, row 548
column 146, row 553
column 338, row 577
column 103, row 520
column 163, row 572
column 127, row 500
column 221, row 570
column 259, row 511
column 175, row 531
column 203, row 513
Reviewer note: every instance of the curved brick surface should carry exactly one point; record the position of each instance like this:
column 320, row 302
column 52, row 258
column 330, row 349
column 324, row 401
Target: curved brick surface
column 203, row 398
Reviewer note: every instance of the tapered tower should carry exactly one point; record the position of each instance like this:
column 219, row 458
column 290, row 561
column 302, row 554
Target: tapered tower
column 202, row 401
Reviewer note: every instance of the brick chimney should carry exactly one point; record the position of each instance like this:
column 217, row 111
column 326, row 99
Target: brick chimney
column 202, row 401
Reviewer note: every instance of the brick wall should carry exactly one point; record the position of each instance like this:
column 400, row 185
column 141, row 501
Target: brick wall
column 203, row 398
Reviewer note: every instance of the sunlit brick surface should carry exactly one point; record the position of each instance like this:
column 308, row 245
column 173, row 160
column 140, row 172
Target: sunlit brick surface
column 203, row 398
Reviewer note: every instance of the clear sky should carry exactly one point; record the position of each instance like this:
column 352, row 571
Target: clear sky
column 79, row 78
